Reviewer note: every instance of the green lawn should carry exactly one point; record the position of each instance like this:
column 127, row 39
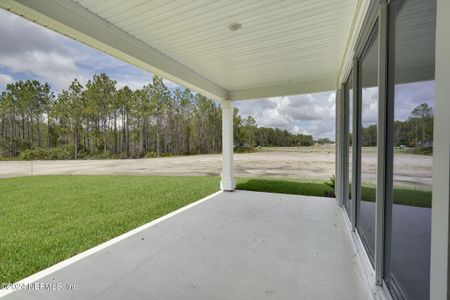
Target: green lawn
column 402, row 196
column 46, row 219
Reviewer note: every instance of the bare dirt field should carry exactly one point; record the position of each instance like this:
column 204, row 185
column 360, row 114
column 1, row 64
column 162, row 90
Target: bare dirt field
column 305, row 163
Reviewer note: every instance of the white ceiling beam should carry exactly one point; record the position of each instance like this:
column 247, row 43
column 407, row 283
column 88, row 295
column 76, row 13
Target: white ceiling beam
column 76, row 22
column 291, row 88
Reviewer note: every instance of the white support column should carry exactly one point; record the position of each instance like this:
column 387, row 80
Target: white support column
column 227, row 183
column 439, row 277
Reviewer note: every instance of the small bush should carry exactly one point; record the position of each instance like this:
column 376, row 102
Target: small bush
column 151, row 154
column 45, row 154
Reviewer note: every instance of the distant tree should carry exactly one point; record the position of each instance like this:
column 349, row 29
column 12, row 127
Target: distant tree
column 250, row 129
column 101, row 93
column 123, row 105
column 68, row 111
column 324, row 141
column 421, row 116
column 369, row 134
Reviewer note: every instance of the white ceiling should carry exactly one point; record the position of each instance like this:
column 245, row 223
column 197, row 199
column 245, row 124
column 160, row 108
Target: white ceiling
column 283, row 47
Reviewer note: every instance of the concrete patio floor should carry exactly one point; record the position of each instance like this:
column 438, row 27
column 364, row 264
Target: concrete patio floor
column 239, row 245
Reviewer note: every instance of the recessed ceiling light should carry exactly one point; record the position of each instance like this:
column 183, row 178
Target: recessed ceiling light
column 234, row 26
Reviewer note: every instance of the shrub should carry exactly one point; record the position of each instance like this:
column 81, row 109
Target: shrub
column 82, row 154
column 151, row 154
column 45, row 154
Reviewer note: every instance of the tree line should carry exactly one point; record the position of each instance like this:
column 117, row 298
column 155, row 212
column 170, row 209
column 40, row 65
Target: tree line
column 100, row 120
column 415, row 132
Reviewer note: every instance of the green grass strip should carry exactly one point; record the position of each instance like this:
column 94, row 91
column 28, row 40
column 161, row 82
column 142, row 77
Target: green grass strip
column 402, row 196
column 283, row 187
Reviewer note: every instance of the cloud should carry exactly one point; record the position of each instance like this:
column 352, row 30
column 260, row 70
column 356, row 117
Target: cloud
column 131, row 83
column 276, row 116
column 298, row 130
column 307, row 107
column 410, row 95
column 5, row 79
column 407, row 97
column 369, row 106
column 28, row 50
column 50, row 67
column 301, row 114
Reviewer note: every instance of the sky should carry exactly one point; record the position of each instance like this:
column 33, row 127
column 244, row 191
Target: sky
column 30, row 51
column 306, row 114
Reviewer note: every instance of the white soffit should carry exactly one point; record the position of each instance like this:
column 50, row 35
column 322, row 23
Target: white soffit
column 283, row 47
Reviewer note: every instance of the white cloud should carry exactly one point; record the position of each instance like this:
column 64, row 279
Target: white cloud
column 5, row 79
column 298, row 130
column 51, row 67
column 301, row 114
column 29, row 50
column 305, row 107
column 369, row 106
column 276, row 116
column 132, row 84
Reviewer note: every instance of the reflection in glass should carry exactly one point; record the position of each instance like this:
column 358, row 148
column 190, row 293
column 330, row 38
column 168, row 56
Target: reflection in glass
column 413, row 142
column 369, row 121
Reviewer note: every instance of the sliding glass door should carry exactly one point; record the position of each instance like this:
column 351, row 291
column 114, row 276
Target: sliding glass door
column 412, row 36
column 368, row 144
column 405, row 117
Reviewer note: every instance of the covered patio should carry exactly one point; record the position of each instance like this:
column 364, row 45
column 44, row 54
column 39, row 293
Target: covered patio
column 248, row 245
column 240, row 245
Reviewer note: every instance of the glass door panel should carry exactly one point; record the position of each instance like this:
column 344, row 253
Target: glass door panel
column 368, row 149
column 413, row 32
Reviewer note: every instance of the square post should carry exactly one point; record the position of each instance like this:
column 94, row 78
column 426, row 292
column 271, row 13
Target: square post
column 227, row 183
column 440, row 208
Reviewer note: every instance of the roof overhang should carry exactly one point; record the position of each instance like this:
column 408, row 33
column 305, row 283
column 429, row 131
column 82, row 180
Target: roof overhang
column 263, row 61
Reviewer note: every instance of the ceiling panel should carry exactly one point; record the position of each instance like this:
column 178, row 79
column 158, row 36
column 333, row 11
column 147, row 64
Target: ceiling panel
column 279, row 41
column 283, row 46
